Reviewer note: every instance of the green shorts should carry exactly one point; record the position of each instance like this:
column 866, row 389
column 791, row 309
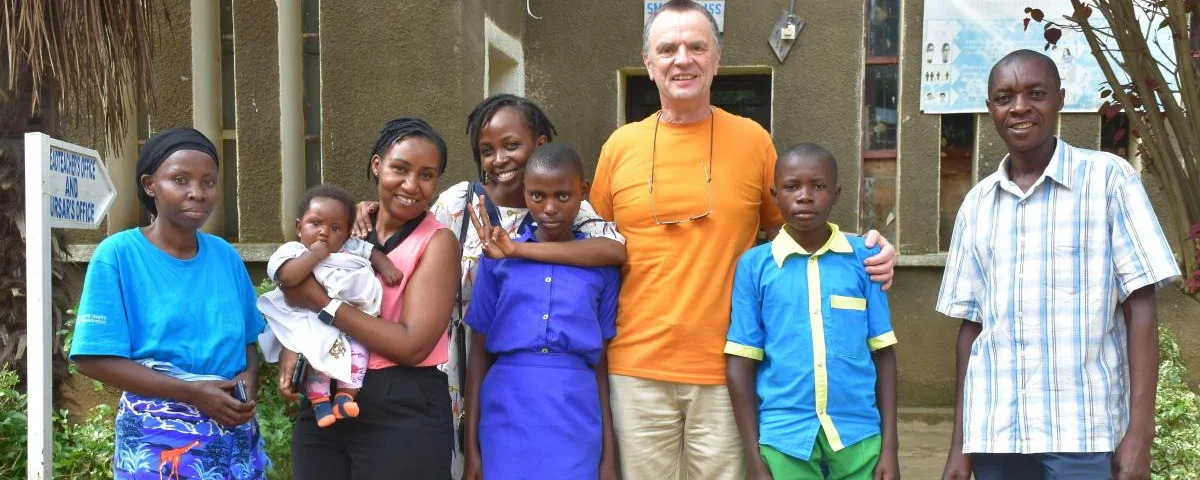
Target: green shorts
column 851, row 463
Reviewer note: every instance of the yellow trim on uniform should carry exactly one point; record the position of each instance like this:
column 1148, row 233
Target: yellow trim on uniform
column 744, row 351
column 784, row 245
column 847, row 303
column 883, row 341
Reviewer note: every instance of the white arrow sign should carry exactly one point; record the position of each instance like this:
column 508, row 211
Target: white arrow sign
column 76, row 182
column 66, row 186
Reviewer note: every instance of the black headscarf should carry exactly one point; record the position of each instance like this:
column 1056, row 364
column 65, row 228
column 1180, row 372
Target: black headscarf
column 162, row 145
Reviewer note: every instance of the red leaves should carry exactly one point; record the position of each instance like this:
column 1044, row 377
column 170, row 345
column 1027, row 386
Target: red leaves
column 1052, row 36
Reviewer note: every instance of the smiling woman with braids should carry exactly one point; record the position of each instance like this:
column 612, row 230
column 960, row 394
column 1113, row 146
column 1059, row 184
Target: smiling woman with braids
column 503, row 131
column 404, row 429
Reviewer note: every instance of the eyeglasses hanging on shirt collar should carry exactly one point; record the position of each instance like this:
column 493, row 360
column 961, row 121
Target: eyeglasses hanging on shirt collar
column 707, row 171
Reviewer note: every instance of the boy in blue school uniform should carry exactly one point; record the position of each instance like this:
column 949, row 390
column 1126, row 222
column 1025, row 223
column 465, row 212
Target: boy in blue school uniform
column 537, row 396
column 809, row 363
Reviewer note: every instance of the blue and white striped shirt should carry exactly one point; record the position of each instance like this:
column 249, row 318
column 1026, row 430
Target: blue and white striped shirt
column 1044, row 272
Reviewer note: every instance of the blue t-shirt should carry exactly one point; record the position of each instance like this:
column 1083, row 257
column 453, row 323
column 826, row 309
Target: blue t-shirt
column 138, row 302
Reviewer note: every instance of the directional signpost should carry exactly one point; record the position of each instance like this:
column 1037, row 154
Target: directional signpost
column 66, row 186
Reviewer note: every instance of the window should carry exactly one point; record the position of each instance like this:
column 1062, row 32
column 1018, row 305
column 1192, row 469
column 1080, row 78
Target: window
column 747, row 95
column 310, row 21
column 880, row 116
column 1114, row 135
column 958, row 145
column 228, row 143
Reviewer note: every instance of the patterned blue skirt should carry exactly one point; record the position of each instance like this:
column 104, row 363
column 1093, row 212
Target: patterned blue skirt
column 160, row 439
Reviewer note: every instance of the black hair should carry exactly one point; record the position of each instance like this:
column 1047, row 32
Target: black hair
column 398, row 129
column 813, row 151
column 332, row 192
column 556, row 157
column 1025, row 54
column 535, row 119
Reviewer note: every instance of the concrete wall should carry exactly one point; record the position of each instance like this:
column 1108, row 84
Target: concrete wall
column 380, row 60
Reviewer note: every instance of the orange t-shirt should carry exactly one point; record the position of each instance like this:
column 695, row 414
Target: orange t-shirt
column 675, row 291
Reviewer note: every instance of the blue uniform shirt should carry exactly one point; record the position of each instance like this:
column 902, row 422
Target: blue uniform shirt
column 809, row 318
column 527, row 306
column 138, row 302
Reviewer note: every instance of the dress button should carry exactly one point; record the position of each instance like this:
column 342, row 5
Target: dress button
column 546, row 317
column 547, row 279
column 545, row 350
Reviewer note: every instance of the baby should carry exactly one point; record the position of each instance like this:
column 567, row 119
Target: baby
column 346, row 268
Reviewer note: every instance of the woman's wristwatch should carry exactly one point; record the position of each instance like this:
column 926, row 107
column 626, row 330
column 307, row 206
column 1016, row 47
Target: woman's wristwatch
column 326, row 314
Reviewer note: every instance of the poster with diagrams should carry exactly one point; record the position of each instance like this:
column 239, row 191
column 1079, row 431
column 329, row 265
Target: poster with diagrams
column 964, row 38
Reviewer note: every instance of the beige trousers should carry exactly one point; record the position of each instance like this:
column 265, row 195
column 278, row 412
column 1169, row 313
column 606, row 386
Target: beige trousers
column 668, row 431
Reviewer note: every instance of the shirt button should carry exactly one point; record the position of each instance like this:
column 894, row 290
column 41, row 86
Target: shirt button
column 546, row 317
column 820, row 365
column 547, row 279
column 812, row 259
column 545, row 350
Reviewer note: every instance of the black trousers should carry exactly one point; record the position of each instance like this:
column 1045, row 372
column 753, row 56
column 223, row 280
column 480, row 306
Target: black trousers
column 404, row 431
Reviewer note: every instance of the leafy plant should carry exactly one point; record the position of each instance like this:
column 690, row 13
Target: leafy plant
column 276, row 415
column 82, row 450
column 1175, row 454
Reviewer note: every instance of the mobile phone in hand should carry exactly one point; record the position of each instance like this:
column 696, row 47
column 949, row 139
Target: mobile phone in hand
column 239, row 391
column 298, row 374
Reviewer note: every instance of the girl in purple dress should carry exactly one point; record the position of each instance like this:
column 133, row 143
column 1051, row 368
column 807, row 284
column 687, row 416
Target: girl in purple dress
column 536, row 374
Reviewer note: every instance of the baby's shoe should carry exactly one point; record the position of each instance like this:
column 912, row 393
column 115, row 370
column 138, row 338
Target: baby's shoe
column 323, row 411
column 344, row 406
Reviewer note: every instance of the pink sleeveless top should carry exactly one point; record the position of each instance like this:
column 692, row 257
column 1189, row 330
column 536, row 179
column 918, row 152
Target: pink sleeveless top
column 405, row 257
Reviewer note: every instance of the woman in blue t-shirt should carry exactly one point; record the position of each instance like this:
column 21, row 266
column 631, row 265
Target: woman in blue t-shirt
column 167, row 315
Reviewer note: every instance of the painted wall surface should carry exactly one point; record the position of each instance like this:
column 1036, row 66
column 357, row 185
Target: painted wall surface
column 257, row 111
column 380, row 60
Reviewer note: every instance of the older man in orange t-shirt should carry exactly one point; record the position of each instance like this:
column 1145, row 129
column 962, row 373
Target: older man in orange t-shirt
column 688, row 187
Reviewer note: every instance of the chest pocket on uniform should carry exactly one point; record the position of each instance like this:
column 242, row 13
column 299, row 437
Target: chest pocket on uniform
column 846, row 329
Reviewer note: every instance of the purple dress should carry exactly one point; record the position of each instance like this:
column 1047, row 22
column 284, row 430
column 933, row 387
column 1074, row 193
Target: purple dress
column 546, row 325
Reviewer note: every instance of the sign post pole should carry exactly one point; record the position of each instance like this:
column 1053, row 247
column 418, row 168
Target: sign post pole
column 66, row 186
column 37, row 295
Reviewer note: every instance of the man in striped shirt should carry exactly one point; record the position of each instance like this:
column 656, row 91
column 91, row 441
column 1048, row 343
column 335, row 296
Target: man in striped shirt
column 1052, row 268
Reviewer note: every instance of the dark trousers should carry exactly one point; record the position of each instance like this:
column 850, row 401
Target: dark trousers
column 1042, row 466
column 404, row 431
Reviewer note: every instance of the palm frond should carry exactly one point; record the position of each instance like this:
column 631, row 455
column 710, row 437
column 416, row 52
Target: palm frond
column 95, row 53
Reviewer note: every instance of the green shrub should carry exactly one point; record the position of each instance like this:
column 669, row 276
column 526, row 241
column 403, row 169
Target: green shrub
column 1175, row 454
column 82, row 450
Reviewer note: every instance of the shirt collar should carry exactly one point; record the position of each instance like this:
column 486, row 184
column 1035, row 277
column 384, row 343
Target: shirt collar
column 1058, row 169
column 784, row 245
column 529, row 235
